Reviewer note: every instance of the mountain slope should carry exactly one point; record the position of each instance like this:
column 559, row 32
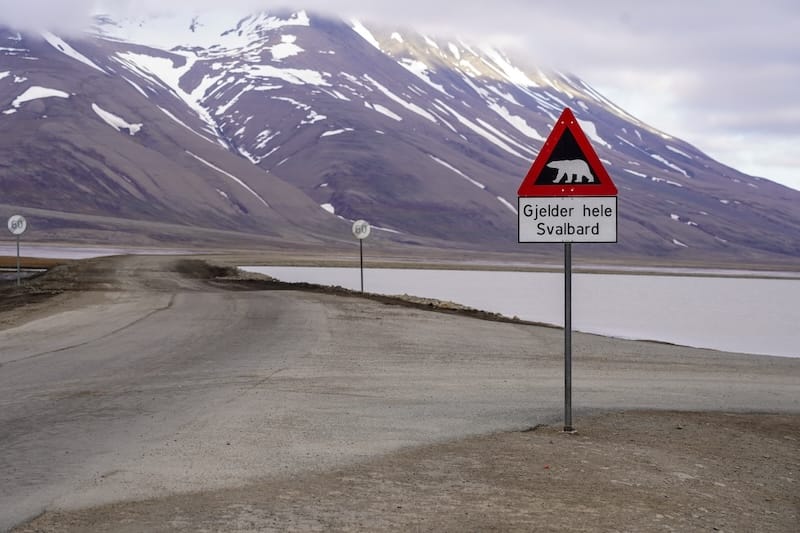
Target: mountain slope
column 274, row 121
column 88, row 140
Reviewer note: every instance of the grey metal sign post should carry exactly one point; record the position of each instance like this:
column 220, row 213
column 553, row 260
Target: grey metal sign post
column 567, row 196
column 17, row 226
column 361, row 229
column 568, row 337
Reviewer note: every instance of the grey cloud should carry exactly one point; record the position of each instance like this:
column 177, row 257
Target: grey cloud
column 71, row 16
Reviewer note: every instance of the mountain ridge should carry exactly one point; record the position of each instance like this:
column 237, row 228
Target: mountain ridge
column 293, row 124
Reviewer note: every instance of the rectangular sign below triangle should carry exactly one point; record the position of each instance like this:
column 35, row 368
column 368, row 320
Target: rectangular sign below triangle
column 568, row 219
column 567, row 165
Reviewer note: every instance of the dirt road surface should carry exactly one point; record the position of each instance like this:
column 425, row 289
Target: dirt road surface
column 136, row 394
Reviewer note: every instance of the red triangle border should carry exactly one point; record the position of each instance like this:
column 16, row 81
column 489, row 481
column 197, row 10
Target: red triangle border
column 606, row 187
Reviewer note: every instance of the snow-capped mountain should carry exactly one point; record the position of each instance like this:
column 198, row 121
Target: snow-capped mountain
column 292, row 124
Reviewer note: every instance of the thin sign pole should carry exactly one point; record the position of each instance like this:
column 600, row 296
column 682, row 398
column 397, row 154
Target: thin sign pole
column 361, row 230
column 361, row 256
column 568, row 337
column 18, row 270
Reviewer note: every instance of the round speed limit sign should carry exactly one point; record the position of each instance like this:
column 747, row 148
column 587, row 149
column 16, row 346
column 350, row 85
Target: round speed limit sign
column 361, row 229
column 17, row 224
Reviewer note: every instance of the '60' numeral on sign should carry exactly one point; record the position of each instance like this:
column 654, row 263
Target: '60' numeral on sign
column 17, row 224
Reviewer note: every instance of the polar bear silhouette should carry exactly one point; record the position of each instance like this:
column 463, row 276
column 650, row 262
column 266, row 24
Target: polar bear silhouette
column 571, row 171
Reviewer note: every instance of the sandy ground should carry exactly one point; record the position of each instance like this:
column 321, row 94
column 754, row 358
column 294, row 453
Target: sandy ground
column 630, row 471
column 425, row 431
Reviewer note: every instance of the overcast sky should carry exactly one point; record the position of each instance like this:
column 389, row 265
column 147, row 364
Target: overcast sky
column 722, row 75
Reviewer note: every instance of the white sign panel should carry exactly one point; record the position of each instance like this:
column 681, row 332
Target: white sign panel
column 17, row 224
column 568, row 219
column 361, row 229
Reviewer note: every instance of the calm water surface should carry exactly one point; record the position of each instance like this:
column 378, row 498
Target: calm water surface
column 746, row 315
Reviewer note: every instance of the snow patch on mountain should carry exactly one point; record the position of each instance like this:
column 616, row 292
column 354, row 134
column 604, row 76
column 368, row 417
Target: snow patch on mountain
column 454, row 50
column 201, row 91
column 181, row 123
column 219, row 28
column 483, row 93
column 504, row 95
column 223, row 109
column 626, row 141
column 656, row 179
column 250, row 157
column 384, row 111
column 467, row 67
column 294, row 76
column 116, row 122
column 59, row 44
column 312, row 118
column 508, row 71
column 295, row 103
column 365, row 34
column 678, row 151
column 518, row 122
column 163, row 71
column 7, row 51
column 331, row 133
column 408, row 105
column 35, row 93
column 454, row 169
column 591, row 131
column 635, row 173
column 505, row 137
column 287, row 48
column 135, row 86
column 338, row 95
column 264, row 138
column 673, row 166
column 229, row 175
column 481, row 131
column 265, row 22
column 387, row 230
column 421, row 70
column 508, row 205
column 312, row 115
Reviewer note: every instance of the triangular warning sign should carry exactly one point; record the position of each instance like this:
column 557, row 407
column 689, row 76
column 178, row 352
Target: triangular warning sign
column 567, row 165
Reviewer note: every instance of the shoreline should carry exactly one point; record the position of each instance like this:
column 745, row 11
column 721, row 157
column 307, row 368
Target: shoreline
column 516, row 262
column 438, row 304
column 514, row 309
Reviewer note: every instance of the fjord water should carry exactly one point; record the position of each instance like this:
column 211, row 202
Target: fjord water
column 736, row 314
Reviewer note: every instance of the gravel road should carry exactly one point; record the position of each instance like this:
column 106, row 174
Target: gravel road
column 142, row 380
